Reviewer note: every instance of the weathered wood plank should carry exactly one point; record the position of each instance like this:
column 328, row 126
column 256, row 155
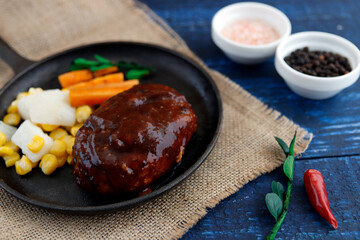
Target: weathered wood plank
column 244, row 215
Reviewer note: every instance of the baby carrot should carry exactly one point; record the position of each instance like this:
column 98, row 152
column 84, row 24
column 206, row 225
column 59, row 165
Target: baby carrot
column 105, row 71
column 126, row 85
column 73, row 77
column 111, row 78
column 99, row 94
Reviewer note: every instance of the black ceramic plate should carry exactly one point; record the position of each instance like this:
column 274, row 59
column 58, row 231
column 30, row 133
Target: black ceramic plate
column 59, row 191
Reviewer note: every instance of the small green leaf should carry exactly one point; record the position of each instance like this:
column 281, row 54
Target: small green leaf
column 278, row 189
column 291, row 149
column 136, row 74
column 99, row 67
column 85, row 63
column 76, row 67
column 274, row 204
column 125, row 65
column 129, row 66
column 102, row 59
column 289, row 167
column 283, row 145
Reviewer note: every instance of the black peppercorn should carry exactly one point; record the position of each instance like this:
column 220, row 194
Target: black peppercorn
column 318, row 63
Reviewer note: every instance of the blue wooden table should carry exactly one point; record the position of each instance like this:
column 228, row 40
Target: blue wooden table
column 335, row 124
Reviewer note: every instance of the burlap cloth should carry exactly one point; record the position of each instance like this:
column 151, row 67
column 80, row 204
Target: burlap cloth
column 245, row 149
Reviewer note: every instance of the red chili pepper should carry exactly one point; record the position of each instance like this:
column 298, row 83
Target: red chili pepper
column 316, row 191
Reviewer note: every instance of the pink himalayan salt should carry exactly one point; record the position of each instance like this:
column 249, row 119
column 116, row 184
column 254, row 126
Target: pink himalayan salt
column 250, row 32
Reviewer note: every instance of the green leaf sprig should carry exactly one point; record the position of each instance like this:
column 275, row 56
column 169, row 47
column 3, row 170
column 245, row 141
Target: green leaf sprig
column 276, row 202
column 131, row 70
column 134, row 70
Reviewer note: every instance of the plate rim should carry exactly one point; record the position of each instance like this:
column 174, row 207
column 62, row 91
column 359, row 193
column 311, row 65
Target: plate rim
column 138, row 200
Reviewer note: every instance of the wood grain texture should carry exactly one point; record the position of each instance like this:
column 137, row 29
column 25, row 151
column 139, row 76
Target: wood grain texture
column 335, row 123
column 244, row 215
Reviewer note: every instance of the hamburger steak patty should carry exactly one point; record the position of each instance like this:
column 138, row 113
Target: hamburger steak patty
column 132, row 139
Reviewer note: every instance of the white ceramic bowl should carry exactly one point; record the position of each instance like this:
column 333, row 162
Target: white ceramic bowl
column 242, row 53
column 311, row 86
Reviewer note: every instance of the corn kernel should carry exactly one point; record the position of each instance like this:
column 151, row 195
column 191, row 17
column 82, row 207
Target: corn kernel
column 49, row 127
column 82, row 113
column 58, row 148
column 48, row 163
column 13, row 107
column 75, row 129
column 34, row 164
column 34, row 90
column 11, row 159
column 66, row 138
column 36, row 144
column 23, row 166
column 69, row 140
column 2, row 139
column 21, row 95
column 5, row 151
column 12, row 119
column 61, row 160
column 69, row 149
column 58, row 133
column 12, row 145
column 69, row 159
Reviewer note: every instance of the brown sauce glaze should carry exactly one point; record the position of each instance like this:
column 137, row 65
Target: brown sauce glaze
column 132, row 139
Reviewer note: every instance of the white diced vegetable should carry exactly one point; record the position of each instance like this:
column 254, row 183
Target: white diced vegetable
column 48, row 107
column 25, row 134
column 7, row 130
column 24, row 107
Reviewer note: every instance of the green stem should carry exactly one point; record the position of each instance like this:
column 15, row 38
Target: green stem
column 281, row 218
